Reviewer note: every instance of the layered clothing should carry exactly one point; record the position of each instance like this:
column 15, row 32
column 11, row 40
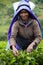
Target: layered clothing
column 29, row 31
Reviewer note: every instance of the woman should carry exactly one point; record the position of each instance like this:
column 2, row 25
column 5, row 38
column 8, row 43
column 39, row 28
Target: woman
column 25, row 32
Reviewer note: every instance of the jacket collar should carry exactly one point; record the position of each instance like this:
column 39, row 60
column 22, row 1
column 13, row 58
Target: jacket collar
column 24, row 24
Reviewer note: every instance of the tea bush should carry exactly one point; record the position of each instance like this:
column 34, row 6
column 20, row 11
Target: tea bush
column 10, row 11
column 3, row 36
column 41, row 21
column 24, row 58
column 37, row 11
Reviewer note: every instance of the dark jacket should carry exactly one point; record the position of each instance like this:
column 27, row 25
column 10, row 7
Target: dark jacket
column 32, row 32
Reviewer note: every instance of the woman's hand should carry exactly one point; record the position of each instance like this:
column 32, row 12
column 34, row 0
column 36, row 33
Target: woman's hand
column 30, row 47
column 15, row 51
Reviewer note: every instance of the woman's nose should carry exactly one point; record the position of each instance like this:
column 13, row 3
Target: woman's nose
column 23, row 14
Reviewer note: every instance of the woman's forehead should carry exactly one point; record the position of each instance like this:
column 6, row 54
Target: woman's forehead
column 23, row 10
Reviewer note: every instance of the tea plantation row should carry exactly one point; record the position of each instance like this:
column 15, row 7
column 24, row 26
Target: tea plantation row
column 24, row 58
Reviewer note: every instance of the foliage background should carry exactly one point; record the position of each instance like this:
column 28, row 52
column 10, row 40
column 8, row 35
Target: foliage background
column 23, row 58
column 7, row 12
column 6, row 15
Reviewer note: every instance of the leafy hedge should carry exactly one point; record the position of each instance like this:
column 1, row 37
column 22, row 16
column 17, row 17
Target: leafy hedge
column 10, row 11
column 37, row 1
column 3, row 36
column 24, row 58
column 41, row 21
column 34, row 58
column 37, row 11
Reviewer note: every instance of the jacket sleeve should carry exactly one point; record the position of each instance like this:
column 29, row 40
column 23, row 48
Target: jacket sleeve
column 37, row 34
column 14, row 31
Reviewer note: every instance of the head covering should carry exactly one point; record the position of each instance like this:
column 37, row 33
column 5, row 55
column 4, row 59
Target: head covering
column 15, row 5
column 26, row 0
column 22, row 5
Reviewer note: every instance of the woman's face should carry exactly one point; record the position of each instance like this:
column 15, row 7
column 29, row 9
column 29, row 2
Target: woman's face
column 24, row 15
